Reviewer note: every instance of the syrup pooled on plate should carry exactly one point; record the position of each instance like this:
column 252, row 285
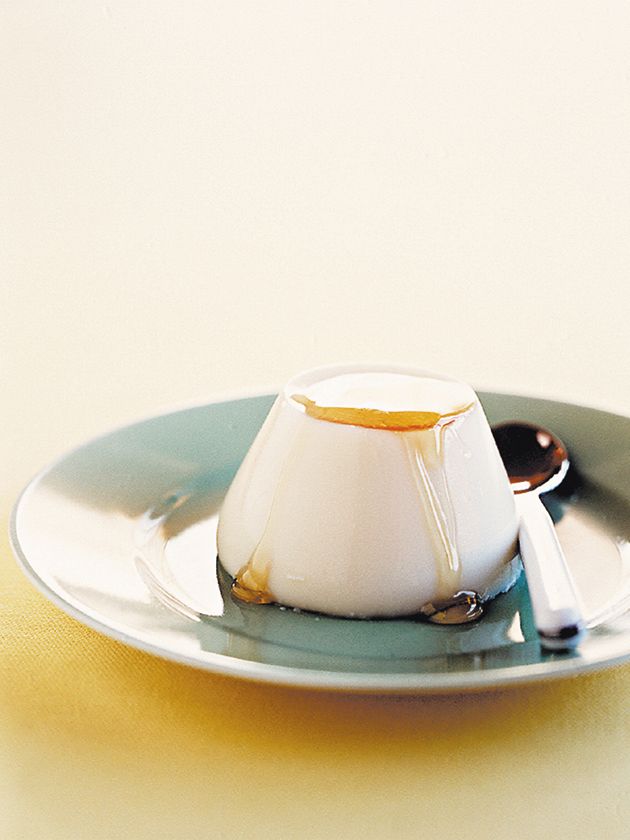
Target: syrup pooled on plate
column 372, row 493
column 250, row 584
column 462, row 608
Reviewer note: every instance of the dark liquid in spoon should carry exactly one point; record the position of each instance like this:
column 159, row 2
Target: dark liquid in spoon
column 531, row 454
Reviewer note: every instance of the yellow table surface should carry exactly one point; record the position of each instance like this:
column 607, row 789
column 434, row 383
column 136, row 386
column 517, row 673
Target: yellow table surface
column 202, row 197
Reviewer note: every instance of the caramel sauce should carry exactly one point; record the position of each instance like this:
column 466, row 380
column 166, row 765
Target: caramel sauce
column 462, row 608
column 425, row 454
column 251, row 585
column 375, row 418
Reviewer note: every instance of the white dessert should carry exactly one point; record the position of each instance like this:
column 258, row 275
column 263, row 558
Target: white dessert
column 370, row 492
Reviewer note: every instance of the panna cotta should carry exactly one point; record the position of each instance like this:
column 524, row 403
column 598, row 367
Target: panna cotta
column 372, row 491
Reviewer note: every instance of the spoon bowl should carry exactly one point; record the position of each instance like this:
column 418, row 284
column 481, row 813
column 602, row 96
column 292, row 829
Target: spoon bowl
column 534, row 458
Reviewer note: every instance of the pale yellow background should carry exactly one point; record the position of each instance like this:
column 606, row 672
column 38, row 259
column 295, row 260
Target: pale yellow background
column 199, row 197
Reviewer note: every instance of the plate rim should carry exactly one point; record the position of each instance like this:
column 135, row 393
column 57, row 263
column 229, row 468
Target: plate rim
column 558, row 666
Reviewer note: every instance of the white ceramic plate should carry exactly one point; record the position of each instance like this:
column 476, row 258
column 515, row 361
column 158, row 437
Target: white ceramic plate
column 120, row 533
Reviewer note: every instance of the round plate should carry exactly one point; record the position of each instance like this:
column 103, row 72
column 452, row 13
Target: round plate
column 120, row 533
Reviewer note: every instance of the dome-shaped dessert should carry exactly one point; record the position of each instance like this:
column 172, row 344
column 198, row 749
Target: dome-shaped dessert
column 371, row 491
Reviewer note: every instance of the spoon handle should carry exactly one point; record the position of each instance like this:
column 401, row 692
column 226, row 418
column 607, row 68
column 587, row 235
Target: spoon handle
column 557, row 612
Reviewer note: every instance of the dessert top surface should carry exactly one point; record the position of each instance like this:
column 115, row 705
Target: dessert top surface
column 386, row 400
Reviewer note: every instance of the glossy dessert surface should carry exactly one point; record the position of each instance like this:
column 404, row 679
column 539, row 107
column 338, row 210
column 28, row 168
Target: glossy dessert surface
column 371, row 492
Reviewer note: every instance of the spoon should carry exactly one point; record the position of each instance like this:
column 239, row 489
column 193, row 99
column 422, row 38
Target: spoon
column 536, row 461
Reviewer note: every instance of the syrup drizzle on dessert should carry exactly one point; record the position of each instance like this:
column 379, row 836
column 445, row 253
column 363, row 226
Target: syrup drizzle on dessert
column 425, row 454
column 423, row 436
column 251, row 583
column 375, row 418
